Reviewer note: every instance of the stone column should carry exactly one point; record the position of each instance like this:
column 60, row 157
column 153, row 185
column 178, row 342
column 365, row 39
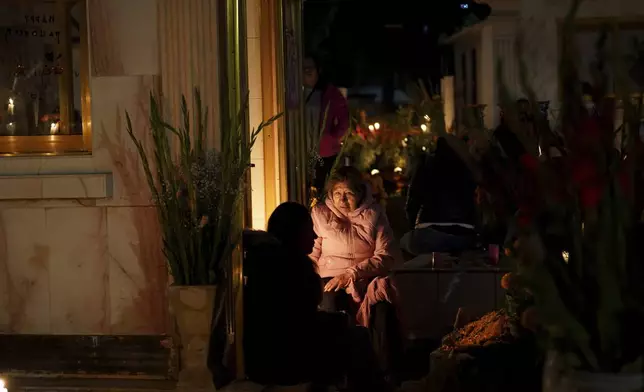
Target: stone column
column 447, row 92
column 189, row 58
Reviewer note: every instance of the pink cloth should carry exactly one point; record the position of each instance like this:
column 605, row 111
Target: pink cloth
column 337, row 121
column 379, row 290
column 360, row 243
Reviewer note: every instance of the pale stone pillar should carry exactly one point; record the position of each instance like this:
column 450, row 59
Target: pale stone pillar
column 255, row 112
column 189, row 57
column 447, row 93
column 487, row 76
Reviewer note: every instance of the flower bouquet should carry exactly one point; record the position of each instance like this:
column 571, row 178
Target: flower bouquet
column 377, row 144
column 577, row 244
column 576, row 194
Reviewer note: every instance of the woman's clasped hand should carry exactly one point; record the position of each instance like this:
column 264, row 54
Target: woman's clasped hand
column 340, row 282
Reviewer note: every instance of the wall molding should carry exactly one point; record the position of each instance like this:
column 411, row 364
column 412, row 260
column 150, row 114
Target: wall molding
column 56, row 186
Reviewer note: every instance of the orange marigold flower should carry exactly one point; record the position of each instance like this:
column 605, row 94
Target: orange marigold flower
column 507, row 281
column 530, row 319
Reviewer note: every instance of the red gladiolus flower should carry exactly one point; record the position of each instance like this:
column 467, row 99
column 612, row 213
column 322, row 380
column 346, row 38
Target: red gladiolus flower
column 529, row 162
column 525, row 217
column 590, row 195
column 583, row 171
column 589, row 130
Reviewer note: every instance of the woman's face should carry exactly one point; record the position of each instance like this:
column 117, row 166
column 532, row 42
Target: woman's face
column 310, row 74
column 345, row 198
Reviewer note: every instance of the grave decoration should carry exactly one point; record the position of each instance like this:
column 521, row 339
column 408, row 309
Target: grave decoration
column 577, row 230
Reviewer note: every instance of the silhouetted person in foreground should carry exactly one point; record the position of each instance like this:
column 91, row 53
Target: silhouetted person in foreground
column 287, row 340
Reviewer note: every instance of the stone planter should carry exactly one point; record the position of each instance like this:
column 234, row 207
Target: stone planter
column 192, row 309
column 557, row 377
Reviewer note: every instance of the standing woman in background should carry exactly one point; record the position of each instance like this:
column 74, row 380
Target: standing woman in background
column 320, row 95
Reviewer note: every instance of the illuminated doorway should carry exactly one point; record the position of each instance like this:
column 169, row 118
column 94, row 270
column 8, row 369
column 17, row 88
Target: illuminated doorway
column 274, row 74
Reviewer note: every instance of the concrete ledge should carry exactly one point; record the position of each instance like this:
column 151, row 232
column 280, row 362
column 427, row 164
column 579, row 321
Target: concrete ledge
column 56, row 186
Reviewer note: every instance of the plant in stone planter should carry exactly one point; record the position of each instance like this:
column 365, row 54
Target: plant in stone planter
column 197, row 191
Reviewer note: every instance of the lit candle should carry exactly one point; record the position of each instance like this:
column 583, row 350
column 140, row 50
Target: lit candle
column 53, row 128
column 11, row 127
column 2, row 386
column 10, row 109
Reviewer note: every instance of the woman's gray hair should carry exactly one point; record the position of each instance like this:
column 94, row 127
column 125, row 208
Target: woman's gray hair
column 349, row 175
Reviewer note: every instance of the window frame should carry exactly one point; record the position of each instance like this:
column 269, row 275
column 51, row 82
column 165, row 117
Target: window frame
column 61, row 144
column 594, row 24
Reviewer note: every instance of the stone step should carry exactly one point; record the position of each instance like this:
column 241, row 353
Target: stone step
column 83, row 356
column 110, row 385
column 61, row 384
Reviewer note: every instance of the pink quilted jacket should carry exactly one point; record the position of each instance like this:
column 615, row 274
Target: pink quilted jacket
column 361, row 243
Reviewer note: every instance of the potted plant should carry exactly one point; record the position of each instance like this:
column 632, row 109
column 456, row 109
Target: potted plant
column 197, row 191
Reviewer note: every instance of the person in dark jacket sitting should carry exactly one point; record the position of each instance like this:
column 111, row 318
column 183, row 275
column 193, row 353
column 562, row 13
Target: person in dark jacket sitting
column 281, row 296
column 441, row 204
column 287, row 340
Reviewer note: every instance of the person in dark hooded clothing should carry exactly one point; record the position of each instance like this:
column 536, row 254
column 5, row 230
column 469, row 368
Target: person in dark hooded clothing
column 441, row 204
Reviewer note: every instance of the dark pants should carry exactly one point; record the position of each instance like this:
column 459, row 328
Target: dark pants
column 322, row 171
column 323, row 350
column 384, row 327
column 345, row 351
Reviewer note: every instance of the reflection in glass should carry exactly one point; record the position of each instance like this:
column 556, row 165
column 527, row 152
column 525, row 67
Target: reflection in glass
column 40, row 58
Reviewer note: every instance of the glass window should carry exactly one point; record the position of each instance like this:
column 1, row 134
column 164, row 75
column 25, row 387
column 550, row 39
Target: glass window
column 43, row 76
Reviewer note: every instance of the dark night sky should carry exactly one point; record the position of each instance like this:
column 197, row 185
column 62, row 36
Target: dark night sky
column 368, row 40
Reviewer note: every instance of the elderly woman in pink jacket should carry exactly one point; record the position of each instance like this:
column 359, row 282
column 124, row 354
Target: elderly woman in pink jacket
column 354, row 252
